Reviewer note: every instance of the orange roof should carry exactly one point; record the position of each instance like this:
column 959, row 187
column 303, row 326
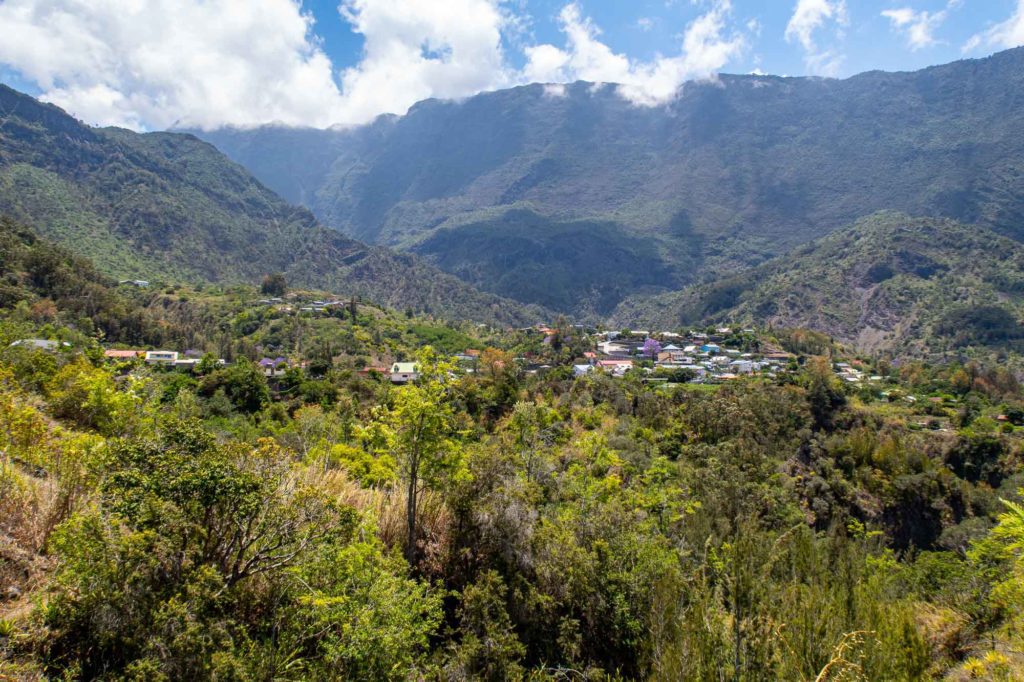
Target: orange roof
column 473, row 351
column 114, row 353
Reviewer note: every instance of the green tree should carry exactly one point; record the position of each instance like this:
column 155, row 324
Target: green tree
column 274, row 284
column 160, row 576
column 359, row 617
column 88, row 396
column 243, row 383
column 419, row 429
column 489, row 649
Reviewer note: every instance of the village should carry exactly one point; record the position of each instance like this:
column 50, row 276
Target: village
column 701, row 356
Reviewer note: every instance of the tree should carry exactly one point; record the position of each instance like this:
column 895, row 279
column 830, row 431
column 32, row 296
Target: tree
column 88, row 396
column 420, row 429
column 489, row 649
column 651, row 348
column 243, row 383
column 274, row 284
column 159, row 576
column 823, row 392
column 360, row 617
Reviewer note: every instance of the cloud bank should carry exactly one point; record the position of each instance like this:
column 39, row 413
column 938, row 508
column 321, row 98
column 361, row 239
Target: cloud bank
column 707, row 46
column 155, row 64
column 158, row 62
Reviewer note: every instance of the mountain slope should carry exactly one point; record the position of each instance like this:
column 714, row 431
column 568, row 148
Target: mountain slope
column 726, row 176
column 889, row 282
column 169, row 206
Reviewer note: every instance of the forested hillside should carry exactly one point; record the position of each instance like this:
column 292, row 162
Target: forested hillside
column 165, row 206
column 505, row 185
column 909, row 286
column 498, row 518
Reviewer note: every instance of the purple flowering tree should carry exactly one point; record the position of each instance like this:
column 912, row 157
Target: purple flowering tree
column 651, row 348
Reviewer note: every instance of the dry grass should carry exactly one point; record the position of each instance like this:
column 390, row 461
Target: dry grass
column 387, row 507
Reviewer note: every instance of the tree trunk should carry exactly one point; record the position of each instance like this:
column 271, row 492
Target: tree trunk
column 410, row 514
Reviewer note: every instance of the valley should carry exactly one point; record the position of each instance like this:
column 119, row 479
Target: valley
column 539, row 383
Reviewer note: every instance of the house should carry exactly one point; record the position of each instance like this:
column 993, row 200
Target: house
column 742, row 366
column 141, row 283
column 117, row 354
column 186, row 363
column 404, row 372
column 39, row 344
column 580, row 370
column 710, row 348
column 613, row 348
column 616, row 367
column 273, row 367
column 161, row 357
column 778, row 356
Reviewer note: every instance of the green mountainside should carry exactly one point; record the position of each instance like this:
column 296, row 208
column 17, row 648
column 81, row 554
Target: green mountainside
column 503, row 185
column 888, row 282
column 167, row 206
column 50, row 284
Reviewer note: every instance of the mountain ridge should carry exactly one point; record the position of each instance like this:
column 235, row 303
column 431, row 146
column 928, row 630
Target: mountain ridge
column 889, row 283
column 726, row 176
column 170, row 206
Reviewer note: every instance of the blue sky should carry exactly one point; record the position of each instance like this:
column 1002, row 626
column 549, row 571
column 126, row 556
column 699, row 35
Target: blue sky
column 643, row 28
column 163, row 63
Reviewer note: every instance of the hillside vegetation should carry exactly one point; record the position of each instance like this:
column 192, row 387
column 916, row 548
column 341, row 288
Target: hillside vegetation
column 910, row 286
column 727, row 175
column 214, row 523
column 165, row 206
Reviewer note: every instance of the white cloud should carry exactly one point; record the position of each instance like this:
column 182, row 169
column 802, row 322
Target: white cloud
column 152, row 64
column 1007, row 34
column 416, row 49
column 155, row 62
column 810, row 16
column 706, row 48
column 555, row 90
column 205, row 63
column 919, row 27
column 645, row 23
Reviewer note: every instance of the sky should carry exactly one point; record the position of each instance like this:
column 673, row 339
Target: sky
column 159, row 64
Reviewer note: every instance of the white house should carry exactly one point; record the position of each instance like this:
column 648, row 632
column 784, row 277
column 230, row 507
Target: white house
column 742, row 366
column 580, row 370
column 161, row 357
column 404, row 372
column 41, row 344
